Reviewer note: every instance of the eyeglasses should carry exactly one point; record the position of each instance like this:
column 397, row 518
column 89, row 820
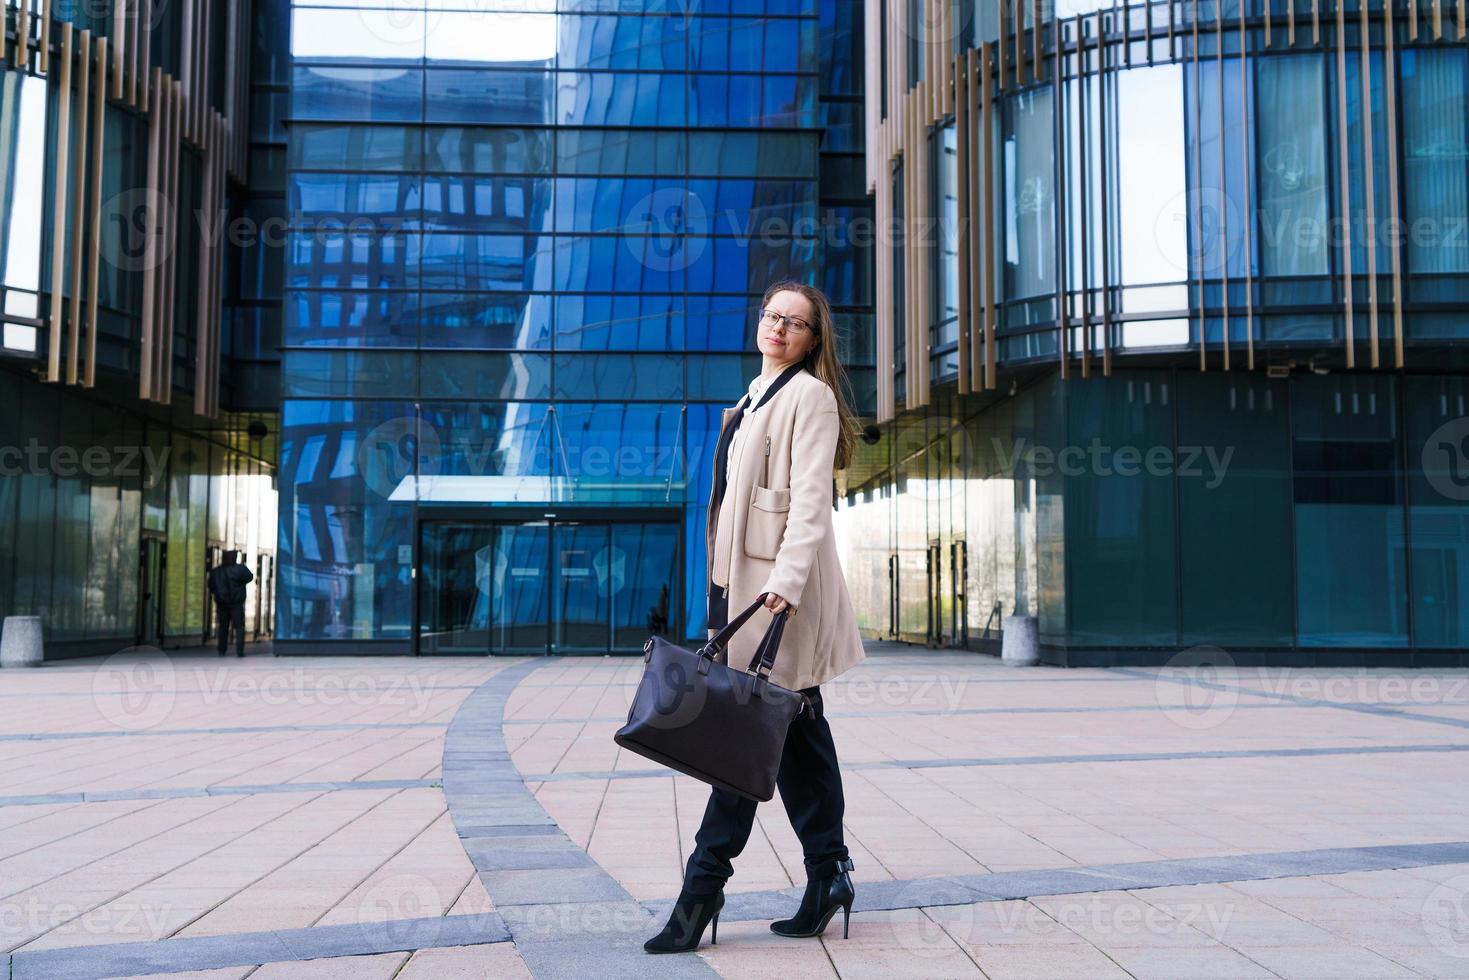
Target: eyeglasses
column 769, row 318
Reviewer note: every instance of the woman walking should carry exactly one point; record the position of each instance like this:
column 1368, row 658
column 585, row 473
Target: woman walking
column 770, row 532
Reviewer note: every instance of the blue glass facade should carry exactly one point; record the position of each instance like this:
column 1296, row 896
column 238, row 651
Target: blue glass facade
column 523, row 253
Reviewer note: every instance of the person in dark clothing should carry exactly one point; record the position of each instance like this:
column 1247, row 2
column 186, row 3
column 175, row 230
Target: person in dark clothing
column 227, row 585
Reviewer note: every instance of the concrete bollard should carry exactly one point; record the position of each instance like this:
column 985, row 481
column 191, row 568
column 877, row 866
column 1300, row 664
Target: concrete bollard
column 20, row 642
column 1021, row 646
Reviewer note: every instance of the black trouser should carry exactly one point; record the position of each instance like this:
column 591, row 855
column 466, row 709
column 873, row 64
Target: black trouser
column 231, row 616
column 810, row 787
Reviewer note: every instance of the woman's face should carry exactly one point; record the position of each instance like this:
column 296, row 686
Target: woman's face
column 787, row 341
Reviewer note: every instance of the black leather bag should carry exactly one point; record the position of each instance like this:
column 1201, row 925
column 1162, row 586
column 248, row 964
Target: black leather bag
column 724, row 726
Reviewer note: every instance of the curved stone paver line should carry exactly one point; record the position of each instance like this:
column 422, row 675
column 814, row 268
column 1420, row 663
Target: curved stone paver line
column 565, row 913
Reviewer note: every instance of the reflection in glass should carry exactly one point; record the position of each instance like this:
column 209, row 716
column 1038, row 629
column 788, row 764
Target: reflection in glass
column 343, row 573
column 518, row 574
column 356, row 35
column 456, row 579
column 1151, row 197
column 1351, row 587
column 621, row 99
column 1291, row 148
column 622, row 42
column 1030, row 194
column 487, row 95
column 1436, row 160
column 348, row 94
column 647, row 602
column 1438, row 486
column 480, row 37
column 586, row 571
column 22, row 147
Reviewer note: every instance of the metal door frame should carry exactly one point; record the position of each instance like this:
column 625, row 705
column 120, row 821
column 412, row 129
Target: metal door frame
column 145, row 540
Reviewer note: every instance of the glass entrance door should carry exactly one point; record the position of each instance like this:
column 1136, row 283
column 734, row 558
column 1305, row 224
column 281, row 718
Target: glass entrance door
column 535, row 587
column 454, row 599
column 583, row 570
column 151, row 566
column 516, row 578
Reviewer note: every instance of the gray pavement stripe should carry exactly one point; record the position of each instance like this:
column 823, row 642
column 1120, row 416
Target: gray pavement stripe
column 1364, row 708
column 565, row 913
column 1046, row 760
column 274, row 692
column 835, row 711
column 255, row 948
column 236, row 730
column 185, row 792
column 1011, row 885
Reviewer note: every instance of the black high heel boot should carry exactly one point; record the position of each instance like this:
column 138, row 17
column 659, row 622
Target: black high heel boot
column 823, row 897
column 691, row 913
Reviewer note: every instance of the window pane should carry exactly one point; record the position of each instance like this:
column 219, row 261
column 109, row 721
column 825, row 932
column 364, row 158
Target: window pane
column 370, row 94
column 623, row 99
column 619, row 151
column 1120, row 510
column 1438, row 491
column 619, row 377
column 463, row 149
column 322, row 147
column 341, row 539
column 1351, row 587
column 1030, row 195
column 356, row 35
column 623, row 42
column 484, row 320
column 648, row 323
column 462, row 203
column 466, row 95
column 1234, row 512
column 339, row 318
column 1153, row 243
column 1436, row 160
column 1291, row 148
column 487, row 38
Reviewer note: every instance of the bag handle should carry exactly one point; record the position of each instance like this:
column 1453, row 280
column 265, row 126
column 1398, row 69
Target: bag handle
column 720, row 640
column 763, row 662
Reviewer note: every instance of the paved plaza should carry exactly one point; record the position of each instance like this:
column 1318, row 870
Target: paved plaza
column 188, row 816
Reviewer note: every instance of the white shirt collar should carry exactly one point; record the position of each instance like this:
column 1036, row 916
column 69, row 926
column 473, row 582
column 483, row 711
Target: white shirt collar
column 757, row 387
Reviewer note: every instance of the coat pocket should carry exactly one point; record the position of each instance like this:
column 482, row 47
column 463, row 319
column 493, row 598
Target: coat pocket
column 765, row 525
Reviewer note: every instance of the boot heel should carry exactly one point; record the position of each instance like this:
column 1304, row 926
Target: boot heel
column 846, row 915
column 714, row 931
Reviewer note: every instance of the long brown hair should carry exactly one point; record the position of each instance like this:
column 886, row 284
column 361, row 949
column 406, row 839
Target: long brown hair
column 823, row 362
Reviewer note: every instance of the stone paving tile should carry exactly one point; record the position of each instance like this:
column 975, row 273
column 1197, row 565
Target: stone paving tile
column 383, row 966
column 903, row 943
column 751, row 950
column 498, row 960
column 1335, row 962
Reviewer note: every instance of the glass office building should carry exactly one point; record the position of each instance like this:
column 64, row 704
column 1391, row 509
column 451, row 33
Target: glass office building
column 1181, row 366
column 525, row 245
column 130, row 454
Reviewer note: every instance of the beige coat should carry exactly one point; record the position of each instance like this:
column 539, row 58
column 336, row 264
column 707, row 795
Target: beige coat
column 777, row 536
